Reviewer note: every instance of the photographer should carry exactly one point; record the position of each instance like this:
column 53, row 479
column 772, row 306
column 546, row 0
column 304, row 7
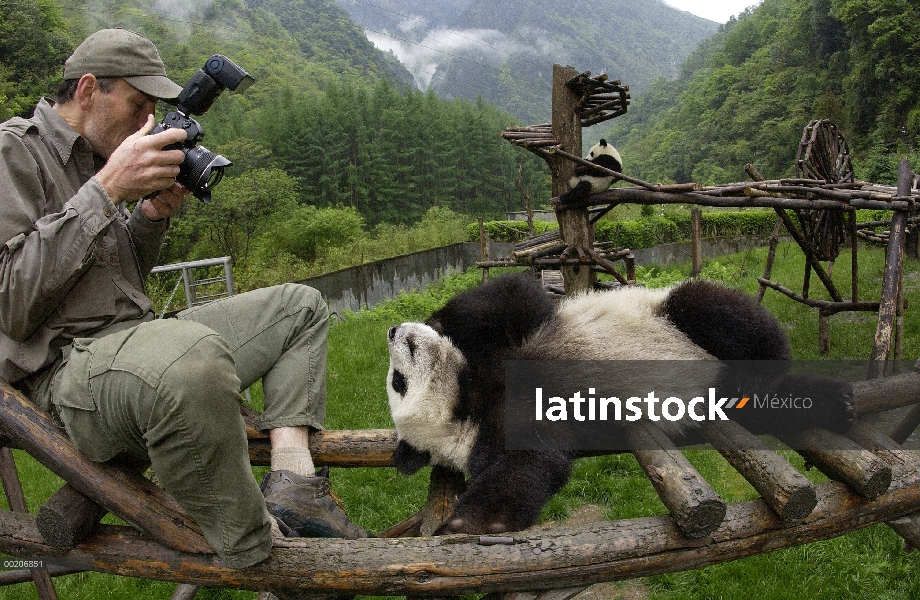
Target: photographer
column 78, row 336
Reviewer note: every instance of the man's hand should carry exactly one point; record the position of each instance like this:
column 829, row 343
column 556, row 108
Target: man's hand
column 140, row 166
column 164, row 204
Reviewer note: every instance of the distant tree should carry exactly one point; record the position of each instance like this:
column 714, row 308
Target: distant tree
column 33, row 47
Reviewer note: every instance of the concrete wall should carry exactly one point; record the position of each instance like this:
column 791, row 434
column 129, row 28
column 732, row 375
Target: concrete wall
column 367, row 285
column 680, row 252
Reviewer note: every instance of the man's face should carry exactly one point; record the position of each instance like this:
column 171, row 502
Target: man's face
column 115, row 115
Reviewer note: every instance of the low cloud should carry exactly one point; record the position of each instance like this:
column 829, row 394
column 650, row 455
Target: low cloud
column 487, row 47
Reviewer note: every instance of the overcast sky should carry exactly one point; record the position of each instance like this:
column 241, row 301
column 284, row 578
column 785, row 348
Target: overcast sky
column 714, row 10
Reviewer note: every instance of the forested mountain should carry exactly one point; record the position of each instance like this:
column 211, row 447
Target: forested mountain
column 328, row 136
column 745, row 95
column 503, row 50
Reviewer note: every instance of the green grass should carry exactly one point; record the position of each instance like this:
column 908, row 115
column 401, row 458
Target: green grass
column 868, row 563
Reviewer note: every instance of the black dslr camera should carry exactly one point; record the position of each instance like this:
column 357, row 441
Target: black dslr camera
column 201, row 169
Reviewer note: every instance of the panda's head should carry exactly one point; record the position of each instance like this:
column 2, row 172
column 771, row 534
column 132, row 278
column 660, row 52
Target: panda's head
column 605, row 155
column 423, row 389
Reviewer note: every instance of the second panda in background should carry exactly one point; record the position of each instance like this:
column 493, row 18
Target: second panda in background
column 586, row 180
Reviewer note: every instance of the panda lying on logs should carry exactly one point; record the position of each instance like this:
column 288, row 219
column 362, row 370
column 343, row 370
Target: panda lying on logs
column 446, row 378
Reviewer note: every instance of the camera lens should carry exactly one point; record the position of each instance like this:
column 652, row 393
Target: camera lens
column 201, row 170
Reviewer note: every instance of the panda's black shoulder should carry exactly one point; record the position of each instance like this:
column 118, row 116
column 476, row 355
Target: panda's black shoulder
column 494, row 317
column 725, row 322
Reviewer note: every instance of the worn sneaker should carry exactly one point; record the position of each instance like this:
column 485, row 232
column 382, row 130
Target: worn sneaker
column 306, row 505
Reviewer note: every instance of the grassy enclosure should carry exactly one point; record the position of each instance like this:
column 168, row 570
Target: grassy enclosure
column 869, row 563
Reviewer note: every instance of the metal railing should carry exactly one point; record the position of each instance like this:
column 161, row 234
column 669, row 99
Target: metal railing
column 191, row 284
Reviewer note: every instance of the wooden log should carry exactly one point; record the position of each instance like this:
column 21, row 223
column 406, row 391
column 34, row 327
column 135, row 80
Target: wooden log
column 843, row 460
column 811, row 260
column 68, row 517
column 638, row 195
column 878, row 395
column 827, row 306
column 696, row 508
column 824, row 333
column 184, row 591
column 894, row 257
column 771, row 256
column 854, row 263
column 904, row 464
column 411, row 526
column 696, row 241
column 342, row 448
column 444, row 488
column 16, row 499
column 25, row 575
column 908, row 424
column 563, row 594
column 575, row 227
column 133, row 498
column 461, row 565
column 782, row 487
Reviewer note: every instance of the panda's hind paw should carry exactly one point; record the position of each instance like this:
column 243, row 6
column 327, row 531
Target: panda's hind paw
column 461, row 525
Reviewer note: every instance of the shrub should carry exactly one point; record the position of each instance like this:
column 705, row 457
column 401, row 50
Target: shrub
column 306, row 231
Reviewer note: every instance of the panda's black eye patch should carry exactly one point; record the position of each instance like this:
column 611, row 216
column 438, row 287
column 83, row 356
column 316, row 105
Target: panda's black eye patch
column 399, row 383
column 411, row 343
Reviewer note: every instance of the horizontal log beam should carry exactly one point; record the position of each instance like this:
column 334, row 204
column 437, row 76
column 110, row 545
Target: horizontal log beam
column 638, row 195
column 696, row 508
column 782, row 487
column 460, row 564
column 878, row 395
column 844, row 460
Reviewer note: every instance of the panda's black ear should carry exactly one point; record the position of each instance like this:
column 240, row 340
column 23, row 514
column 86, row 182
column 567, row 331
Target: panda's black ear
column 435, row 324
column 408, row 460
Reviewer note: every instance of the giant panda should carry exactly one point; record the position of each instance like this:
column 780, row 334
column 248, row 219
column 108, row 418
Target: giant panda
column 587, row 181
column 445, row 382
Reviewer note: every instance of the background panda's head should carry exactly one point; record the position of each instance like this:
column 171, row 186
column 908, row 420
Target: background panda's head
column 423, row 390
column 605, row 155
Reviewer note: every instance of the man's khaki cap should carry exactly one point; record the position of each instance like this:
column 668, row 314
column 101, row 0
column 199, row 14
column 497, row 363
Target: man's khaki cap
column 125, row 54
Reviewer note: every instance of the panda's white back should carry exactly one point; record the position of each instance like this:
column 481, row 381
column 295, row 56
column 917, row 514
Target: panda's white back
column 621, row 324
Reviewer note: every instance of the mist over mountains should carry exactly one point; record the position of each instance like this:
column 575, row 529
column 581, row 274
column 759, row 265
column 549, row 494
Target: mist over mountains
column 503, row 50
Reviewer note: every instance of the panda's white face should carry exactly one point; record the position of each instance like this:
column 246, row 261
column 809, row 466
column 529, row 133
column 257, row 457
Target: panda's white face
column 423, row 390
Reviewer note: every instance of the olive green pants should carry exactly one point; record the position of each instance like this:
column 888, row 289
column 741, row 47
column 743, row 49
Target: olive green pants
column 167, row 392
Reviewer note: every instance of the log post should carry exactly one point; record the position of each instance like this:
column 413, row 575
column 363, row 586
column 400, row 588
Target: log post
column 133, row 498
column 894, row 258
column 575, row 224
column 17, row 501
column 771, row 256
column 483, row 248
column 696, row 241
column 696, row 508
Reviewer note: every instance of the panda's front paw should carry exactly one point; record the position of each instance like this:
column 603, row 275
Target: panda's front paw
column 461, row 525
column 820, row 401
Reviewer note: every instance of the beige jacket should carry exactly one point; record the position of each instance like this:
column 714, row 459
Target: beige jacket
column 71, row 262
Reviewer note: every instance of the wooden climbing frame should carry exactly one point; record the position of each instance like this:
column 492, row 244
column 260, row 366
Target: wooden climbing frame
column 876, row 481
